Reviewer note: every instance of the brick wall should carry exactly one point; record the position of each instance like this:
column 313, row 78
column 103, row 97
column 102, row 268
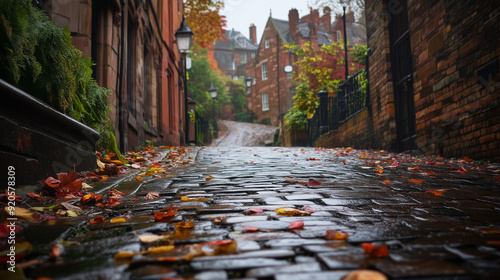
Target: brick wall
column 457, row 107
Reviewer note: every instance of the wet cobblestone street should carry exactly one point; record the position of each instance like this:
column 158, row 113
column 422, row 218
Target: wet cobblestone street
column 439, row 218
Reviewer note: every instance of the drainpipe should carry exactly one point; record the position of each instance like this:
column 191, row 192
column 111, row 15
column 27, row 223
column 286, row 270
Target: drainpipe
column 120, row 74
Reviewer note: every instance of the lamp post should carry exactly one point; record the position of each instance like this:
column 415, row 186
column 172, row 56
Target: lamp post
column 183, row 38
column 344, row 4
column 213, row 93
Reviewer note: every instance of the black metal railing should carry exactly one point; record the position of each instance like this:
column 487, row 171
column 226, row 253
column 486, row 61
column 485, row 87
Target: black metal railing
column 351, row 98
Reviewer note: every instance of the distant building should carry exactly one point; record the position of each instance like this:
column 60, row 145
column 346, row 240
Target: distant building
column 234, row 52
column 271, row 92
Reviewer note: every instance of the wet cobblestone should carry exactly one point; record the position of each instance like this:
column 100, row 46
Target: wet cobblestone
column 451, row 232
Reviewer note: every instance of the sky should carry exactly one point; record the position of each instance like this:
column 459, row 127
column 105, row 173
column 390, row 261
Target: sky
column 241, row 13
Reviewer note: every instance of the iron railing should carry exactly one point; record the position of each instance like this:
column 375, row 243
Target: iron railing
column 352, row 97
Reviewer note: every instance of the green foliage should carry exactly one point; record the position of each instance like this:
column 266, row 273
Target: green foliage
column 237, row 94
column 201, row 75
column 37, row 56
column 358, row 54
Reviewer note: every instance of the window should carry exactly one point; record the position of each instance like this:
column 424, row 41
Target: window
column 253, row 55
column 266, row 44
column 254, row 81
column 235, row 78
column 264, row 71
column 265, row 102
column 243, row 58
column 242, row 41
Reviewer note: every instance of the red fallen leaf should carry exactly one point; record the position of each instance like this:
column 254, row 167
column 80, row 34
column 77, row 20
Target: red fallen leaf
column 255, row 210
column 166, row 217
column 51, row 183
column 6, row 229
column 436, row 193
column 90, row 198
column 34, row 195
column 395, row 164
column 335, row 235
column 378, row 251
column 313, row 182
column 251, row 228
column 56, row 251
column 217, row 242
column 308, row 208
column 462, row 170
column 466, row 159
column 114, row 193
column 70, row 181
column 113, row 201
column 296, row 225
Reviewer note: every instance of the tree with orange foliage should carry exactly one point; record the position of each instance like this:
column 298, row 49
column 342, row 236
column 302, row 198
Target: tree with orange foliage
column 203, row 17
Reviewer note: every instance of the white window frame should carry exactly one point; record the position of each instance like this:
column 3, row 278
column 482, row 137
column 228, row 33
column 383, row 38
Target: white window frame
column 265, row 102
column 266, row 43
column 243, row 58
column 263, row 67
column 252, row 55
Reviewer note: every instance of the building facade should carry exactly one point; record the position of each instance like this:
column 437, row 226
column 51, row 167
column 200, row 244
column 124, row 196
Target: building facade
column 133, row 46
column 434, row 79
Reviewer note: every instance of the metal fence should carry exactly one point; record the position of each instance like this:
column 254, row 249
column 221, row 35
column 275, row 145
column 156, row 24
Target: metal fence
column 352, row 97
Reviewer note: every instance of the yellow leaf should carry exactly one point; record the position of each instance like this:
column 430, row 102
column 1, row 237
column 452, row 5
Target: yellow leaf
column 160, row 249
column 125, row 255
column 139, row 178
column 100, row 164
column 19, row 212
column 185, row 225
column 187, row 199
column 209, row 177
column 117, row 220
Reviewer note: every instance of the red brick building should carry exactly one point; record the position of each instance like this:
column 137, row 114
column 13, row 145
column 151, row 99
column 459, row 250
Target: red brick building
column 271, row 93
column 434, row 80
column 132, row 44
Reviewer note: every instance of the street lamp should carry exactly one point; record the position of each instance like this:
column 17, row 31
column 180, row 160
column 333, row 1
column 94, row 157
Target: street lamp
column 344, row 4
column 248, row 83
column 213, row 93
column 184, row 38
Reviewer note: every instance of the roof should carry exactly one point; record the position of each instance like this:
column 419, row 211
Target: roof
column 235, row 41
column 283, row 28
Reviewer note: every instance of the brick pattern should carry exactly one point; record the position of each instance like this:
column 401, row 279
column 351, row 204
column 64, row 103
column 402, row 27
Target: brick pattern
column 456, row 114
column 355, row 132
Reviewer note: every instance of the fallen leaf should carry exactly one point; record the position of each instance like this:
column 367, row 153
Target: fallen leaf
column 462, row 170
column 386, row 182
column 152, row 195
column 19, row 212
column 90, row 199
column 187, row 199
column 159, row 249
column 185, row 225
column 364, row 274
column 255, row 210
column 86, row 186
column 139, row 178
column 118, row 220
column 289, row 211
column 378, row 251
column 166, row 217
column 36, row 196
column 125, row 255
column 98, row 220
column 100, row 164
column 150, row 238
column 296, row 225
column 379, row 171
column 251, row 228
column 313, row 182
column 71, row 213
column 436, row 193
column 209, row 177
column 335, row 235
column 72, row 207
column 416, row 181
column 56, row 251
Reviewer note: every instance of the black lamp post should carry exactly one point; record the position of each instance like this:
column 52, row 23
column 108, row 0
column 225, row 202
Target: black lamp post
column 344, row 4
column 213, row 93
column 184, row 37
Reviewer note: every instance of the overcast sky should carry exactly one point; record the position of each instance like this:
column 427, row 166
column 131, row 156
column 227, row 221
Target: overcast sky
column 241, row 13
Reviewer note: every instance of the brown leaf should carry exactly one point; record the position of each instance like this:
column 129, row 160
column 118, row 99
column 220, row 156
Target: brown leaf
column 313, row 182
column 335, row 235
column 166, row 217
column 378, row 251
column 56, row 251
column 364, row 274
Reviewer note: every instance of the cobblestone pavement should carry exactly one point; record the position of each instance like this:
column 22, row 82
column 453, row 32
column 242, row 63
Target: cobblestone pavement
column 438, row 218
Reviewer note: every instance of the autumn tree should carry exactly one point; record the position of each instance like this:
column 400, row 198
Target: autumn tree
column 203, row 17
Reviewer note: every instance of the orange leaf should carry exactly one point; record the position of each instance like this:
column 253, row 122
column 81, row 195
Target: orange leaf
column 416, row 181
column 187, row 199
column 51, row 182
column 335, row 235
column 56, row 251
column 378, row 251
column 387, row 182
column 139, row 178
column 98, row 220
column 166, row 217
column 379, row 171
column 34, row 195
column 436, row 193
column 185, row 225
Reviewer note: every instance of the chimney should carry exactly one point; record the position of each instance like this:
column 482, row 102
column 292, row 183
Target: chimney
column 253, row 33
column 293, row 21
column 326, row 19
